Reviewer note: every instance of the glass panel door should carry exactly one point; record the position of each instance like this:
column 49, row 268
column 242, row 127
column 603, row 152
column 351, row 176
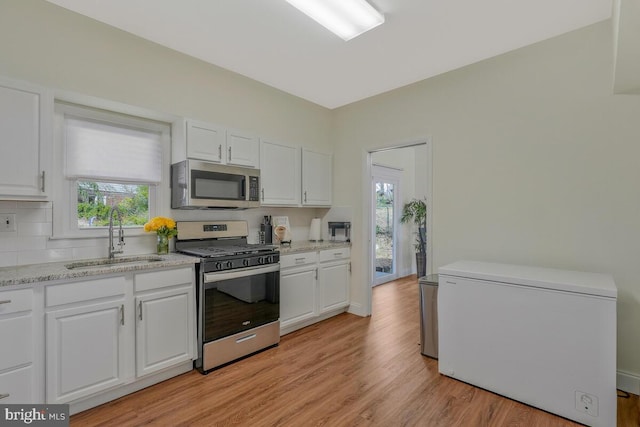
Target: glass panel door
column 386, row 187
column 384, row 222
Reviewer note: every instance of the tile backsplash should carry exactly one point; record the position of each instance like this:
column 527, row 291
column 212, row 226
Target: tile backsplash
column 31, row 243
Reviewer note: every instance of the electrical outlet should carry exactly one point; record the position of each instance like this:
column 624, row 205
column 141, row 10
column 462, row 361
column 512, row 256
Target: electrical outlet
column 7, row 222
column 586, row 402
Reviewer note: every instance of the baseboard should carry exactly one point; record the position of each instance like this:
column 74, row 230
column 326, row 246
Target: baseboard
column 357, row 309
column 628, row 382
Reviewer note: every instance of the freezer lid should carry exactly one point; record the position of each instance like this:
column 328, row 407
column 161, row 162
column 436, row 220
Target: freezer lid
column 540, row 277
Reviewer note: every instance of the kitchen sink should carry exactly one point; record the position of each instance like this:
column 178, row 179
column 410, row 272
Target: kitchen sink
column 107, row 262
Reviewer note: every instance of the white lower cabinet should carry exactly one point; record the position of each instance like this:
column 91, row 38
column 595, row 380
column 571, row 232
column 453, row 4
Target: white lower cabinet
column 86, row 346
column 19, row 382
column 334, row 282
column 164, row 329
column 313, row 286
column 16, row 386
column 86, row 350
column 105, row 337
column 297, row 295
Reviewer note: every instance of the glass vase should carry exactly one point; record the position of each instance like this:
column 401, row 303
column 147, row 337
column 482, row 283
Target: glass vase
column 163, row 244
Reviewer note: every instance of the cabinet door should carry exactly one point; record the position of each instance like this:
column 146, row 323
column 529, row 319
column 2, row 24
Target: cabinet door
column 243, row 149
column 297, row 296
column 316, row 178
column 19, row 332
column 205, row 141
column 334, row 286
column 15, row 386
column 165, row 329
column 85, row 350
column 280, row 174
column 24, row 129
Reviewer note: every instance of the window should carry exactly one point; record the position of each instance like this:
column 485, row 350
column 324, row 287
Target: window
column 96, row 198
column 107, row 159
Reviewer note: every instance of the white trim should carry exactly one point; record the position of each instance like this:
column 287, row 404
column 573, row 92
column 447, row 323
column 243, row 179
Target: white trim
column 628, row 382
column 64, row 191
column 367, row 255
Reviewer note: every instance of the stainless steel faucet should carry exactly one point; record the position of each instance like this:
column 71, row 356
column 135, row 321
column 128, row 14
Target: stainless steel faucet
column 112, row 248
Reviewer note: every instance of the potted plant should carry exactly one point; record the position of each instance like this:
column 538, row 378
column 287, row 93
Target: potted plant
column 416, row 212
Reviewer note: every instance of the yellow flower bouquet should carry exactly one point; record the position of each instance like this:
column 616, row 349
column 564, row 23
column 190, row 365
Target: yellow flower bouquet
column 165, row 228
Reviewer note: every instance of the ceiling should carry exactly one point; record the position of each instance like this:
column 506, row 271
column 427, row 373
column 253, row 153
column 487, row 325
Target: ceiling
column 272, row 42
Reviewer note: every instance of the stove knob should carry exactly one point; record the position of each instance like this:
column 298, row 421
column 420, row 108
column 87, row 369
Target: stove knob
column 245, row 262
column 268, row 260
column 229, row 264
column 260, row 260
column 218, row 266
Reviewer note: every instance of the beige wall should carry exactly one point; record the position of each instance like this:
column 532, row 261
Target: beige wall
column 534, row 162
column 43, row 43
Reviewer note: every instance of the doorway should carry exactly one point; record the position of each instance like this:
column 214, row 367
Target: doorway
column 413, row 160
column 386, row 212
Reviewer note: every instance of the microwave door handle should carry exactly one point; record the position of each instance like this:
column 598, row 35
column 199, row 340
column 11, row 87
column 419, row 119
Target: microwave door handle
column 244, row 188
column 236, row 274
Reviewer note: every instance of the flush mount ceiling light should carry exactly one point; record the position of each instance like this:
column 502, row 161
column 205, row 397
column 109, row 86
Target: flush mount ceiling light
column 345, row 18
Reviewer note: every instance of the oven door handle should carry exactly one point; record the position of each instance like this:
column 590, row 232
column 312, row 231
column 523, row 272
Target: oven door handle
column 244, row 272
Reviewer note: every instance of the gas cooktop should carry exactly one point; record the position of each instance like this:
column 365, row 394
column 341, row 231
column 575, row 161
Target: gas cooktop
column 230, row 250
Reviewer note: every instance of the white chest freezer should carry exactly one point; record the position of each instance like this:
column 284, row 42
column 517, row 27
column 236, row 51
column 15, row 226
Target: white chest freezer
column 544, row 337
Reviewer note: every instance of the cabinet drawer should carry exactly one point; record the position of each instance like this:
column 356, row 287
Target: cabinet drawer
column 15, row 301
column 16, row 336
column 294, row 260
column 15, row 386
column 161, row 279
column 333, row 254
column 84, row 291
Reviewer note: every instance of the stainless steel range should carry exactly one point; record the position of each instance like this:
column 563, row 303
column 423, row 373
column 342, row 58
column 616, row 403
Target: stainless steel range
column 238, row 294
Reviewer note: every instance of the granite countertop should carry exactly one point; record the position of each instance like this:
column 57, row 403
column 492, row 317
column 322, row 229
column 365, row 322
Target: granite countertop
column 34, row 273
column 307, row 246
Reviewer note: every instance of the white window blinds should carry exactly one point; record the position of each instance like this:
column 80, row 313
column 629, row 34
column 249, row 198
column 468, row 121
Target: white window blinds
column 111, row 152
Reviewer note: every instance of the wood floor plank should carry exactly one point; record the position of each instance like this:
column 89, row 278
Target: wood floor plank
column 345, row 371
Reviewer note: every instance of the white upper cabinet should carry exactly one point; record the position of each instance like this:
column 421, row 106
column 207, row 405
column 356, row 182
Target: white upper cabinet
column 280, row 174
column 25, row 121
column 205, row 141
column 243, row 149
column 214, row 143
column 317, row 174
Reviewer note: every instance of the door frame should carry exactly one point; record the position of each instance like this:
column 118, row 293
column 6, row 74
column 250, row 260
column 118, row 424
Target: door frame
column 368, row 202
column 393, row 176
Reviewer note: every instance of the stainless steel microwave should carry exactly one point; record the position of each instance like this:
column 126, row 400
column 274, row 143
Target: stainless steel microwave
column 203, row 185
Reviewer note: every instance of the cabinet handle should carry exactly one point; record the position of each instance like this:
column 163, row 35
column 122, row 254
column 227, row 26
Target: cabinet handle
column 122, row 314
column 305, row 197
column 220, row 151
column 229, row 154
column 316, row 274
column 451, row 283
column 140, row 310
column 349, row 267
column 337, row 254
column 300, row 260
column 4, row 396
column 6, row 301
column 263, row 194
column 42, row 187
column 247, row 338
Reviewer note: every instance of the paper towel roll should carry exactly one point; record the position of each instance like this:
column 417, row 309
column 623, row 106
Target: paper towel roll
column 314, row 230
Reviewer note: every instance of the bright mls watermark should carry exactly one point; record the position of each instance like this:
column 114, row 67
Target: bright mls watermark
column 34, row 415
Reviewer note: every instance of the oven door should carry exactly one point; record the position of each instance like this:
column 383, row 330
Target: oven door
column 238, row 300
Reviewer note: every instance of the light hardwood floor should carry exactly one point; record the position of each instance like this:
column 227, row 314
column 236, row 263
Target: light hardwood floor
column 345, row 371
